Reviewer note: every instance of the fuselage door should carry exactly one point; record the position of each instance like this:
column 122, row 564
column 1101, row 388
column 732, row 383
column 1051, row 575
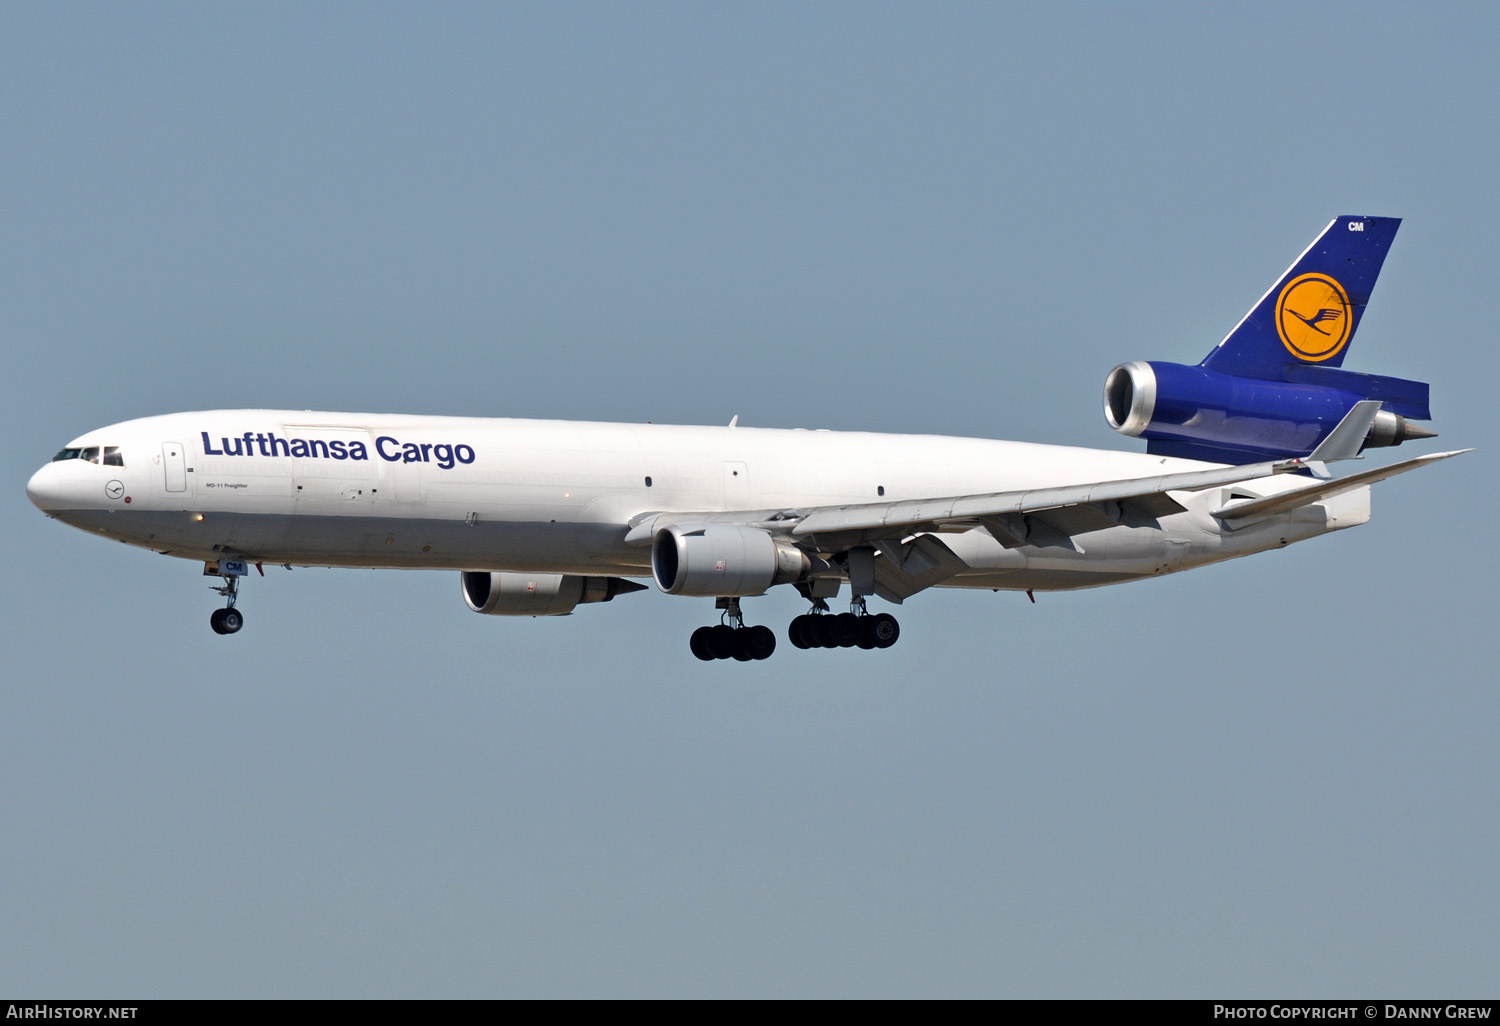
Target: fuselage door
column 174, row 462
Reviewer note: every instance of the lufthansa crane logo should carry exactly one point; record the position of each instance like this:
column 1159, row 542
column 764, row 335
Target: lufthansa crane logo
column 1313, row 317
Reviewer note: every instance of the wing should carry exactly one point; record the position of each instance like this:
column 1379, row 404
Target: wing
column 910, row 558
column 1079, row 508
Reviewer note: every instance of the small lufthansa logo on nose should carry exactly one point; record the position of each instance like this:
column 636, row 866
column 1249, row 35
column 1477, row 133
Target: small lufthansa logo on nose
column 1313, row 317
column 114, row 489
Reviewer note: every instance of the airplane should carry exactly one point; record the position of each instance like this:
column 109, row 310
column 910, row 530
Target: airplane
column 539, row 517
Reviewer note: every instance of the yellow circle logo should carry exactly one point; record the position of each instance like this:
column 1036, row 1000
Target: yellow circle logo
column 1313, row 317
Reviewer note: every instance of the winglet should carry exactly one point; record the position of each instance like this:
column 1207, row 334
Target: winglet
column 1343, row 442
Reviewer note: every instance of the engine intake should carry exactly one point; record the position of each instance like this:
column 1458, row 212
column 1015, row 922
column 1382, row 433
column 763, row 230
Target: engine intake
column 1130, row 397
column 723, row 561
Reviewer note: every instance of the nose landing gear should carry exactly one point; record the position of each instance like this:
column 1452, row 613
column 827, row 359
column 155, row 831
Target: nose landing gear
column 229, row 619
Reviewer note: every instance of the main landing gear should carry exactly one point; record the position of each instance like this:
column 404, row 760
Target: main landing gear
column 856, row 628
column 731, row 639
column 229, row 619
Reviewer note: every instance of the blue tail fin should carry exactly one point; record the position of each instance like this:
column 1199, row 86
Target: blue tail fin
column 1308, row 318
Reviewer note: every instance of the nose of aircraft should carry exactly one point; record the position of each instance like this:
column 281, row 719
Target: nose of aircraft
column 42, row 489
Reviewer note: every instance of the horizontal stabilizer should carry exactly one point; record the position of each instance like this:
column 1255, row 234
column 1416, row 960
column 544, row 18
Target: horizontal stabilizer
column 1407, row 398
column 1288, row 501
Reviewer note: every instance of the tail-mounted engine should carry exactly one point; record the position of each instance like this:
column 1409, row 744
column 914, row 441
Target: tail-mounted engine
column 1203, row 414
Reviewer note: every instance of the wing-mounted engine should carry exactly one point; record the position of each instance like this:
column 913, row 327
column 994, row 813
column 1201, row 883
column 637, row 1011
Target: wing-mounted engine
column 723, row 561
column 506, row 593
column 1202, row 414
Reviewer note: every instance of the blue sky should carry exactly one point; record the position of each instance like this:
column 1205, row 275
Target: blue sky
column 1275, row 777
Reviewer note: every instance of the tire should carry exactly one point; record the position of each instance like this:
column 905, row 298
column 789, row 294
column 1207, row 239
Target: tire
column 232, row 619
column 846, row 630
column 216, row 620
column 760, row 641
column 699, row 644
column 819, row 631
column 721, row 641
column 884, row 630
column 796, row 632
column 742, row 651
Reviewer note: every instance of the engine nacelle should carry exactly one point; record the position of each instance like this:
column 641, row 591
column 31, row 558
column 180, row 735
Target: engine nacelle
column 723, row 561
column 1204, row 414
column 506, row 593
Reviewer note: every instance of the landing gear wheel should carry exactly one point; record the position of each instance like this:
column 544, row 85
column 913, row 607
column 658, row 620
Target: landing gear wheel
column 721, row 641
column 760, row 641
column 819, row 631
column 845, row 630
column 796, row 632
column 700, row 645
column 882, row 629
column 226, row 621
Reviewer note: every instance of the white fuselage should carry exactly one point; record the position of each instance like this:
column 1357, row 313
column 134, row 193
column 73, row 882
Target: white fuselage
column 382, row 490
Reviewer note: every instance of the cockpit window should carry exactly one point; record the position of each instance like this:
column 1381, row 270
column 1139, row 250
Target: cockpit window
column 108, row 455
